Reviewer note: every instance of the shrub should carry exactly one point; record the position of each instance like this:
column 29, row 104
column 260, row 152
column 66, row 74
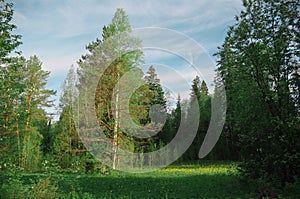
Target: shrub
column 15, row 188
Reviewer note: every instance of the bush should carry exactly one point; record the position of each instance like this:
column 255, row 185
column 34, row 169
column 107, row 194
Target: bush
column 13, row 187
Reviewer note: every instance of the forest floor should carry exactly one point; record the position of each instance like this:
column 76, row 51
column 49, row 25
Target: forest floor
column 195, row 180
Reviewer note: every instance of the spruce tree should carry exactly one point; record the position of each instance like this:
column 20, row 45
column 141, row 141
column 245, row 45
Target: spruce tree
column 259, row 63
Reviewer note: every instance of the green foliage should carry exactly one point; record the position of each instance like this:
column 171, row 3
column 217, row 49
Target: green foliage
column 34, row 96
column 11, row 88
column 8, row 41
column 22, row 96
column 112, row 57
column 142, row 105
column 33, row 150
column 66, row 140
column 259, row 64
column 199, row 94
column 172, row 123
column 14, row 187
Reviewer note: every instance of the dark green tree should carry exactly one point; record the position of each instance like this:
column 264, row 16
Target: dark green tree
column 172, row 123
column 10, row 86
column 199, row 94
column 204, row 88
column 259, row 63
column 8, row 41
column 22, row 98
column 150, row 99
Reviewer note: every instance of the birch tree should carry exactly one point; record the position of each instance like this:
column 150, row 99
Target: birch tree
column 113, row 56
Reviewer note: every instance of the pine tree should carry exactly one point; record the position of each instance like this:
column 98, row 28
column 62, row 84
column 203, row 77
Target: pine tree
column 10, row 86
column 34, row 97
column 204, row 88
column 22, row 98
column 150, row 106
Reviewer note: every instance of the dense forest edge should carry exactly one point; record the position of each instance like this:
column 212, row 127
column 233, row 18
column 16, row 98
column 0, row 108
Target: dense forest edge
column 257, row 154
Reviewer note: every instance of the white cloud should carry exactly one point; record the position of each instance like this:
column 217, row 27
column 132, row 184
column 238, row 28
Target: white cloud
column 71, row 18
column 57, row 31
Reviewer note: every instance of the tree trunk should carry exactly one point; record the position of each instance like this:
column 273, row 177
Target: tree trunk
column 18, row 141
column 24, row 156
column 116, row 126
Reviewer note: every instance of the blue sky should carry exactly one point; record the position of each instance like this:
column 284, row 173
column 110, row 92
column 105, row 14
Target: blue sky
column 57, row 31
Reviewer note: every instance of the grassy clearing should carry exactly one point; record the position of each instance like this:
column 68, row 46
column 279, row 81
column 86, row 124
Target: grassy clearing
column 195, row 180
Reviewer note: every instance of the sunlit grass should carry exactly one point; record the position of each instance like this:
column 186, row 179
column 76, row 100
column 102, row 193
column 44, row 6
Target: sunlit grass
column 202, row 179
column 202, row 168
column 205, row 170
column 186, row 169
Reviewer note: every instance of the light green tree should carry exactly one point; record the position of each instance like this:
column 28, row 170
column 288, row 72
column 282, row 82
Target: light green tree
column 112, row 56
column 67, row 146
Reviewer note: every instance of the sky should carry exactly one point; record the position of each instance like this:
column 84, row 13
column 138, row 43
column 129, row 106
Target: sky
column 57, row 31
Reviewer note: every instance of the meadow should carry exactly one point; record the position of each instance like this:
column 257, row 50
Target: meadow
column 191, row 180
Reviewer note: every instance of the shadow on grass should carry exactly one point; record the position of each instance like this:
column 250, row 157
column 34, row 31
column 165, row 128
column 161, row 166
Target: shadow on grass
column 197, row 186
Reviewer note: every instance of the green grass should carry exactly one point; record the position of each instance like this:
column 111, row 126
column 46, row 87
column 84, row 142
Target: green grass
column 195, row 180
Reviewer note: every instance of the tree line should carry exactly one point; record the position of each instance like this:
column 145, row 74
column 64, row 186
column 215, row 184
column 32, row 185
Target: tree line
column 258, row 63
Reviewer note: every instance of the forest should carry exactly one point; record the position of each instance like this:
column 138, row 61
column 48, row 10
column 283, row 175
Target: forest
column 257, row 154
